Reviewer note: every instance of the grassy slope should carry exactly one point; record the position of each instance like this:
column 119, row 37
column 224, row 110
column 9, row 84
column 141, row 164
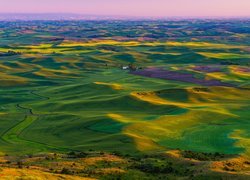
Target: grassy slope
column 76, row 112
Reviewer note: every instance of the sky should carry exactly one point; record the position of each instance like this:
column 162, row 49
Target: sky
column 148, row 8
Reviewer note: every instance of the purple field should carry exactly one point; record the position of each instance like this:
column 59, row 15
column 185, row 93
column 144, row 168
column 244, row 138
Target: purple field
column 160, row 73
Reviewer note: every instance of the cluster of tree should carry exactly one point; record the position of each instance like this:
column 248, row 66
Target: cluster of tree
column 109, row 48
column 228, row 63
column 154, row 168
column 10, row 53
column 74, row 154
column 66, row 171
column 203, row 156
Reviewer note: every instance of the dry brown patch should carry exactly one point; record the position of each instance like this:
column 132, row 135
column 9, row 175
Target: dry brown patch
column 239, row 165
column 178, row 155
column 174, row 153
column 12, row 173
column 106, row 157
column 112, row 170
column 3, row 160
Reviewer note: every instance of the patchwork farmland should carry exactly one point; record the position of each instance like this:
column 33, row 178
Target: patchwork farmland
column 181, row 107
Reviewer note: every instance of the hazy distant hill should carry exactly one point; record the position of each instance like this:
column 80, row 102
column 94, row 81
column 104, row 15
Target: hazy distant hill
column 54, row 16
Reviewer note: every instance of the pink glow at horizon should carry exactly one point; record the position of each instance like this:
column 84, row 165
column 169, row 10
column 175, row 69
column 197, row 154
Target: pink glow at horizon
column 130, row 7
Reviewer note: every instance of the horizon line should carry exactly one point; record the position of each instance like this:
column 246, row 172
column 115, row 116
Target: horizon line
column 68, row 13
column 119, row 16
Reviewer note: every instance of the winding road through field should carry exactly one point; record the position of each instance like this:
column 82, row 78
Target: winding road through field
column 12, row 135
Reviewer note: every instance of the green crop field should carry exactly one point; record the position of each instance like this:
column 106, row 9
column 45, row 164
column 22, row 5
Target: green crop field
column 63, row 90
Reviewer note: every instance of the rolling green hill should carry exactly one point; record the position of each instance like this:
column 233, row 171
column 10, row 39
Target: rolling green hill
column 188, row 93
